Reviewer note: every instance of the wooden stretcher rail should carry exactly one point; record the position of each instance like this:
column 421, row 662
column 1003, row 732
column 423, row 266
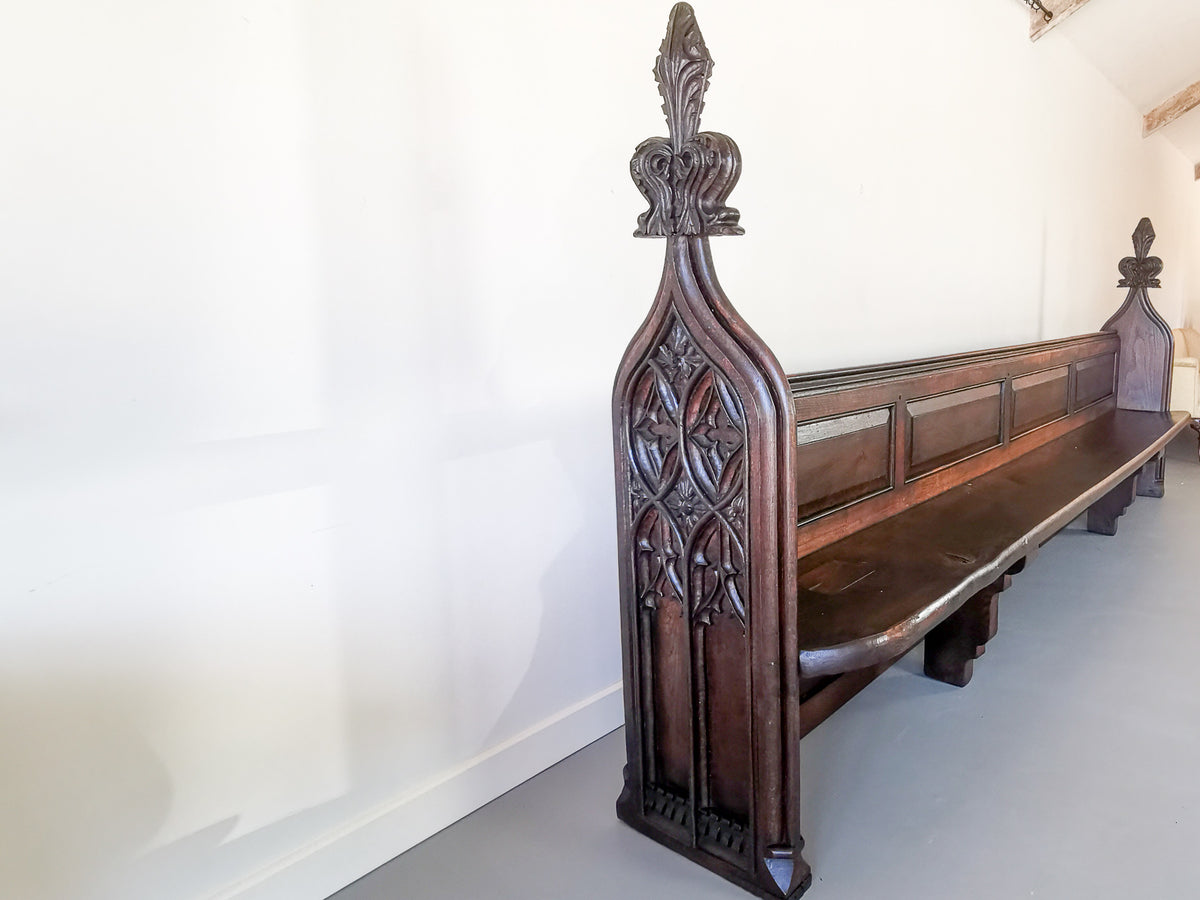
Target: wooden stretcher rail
column 782, row 540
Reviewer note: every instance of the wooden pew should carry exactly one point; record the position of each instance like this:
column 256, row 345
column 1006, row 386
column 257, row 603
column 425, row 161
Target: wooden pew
column 784, row 539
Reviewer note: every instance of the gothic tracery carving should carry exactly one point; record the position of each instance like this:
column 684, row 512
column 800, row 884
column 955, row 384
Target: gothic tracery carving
column 687, row 482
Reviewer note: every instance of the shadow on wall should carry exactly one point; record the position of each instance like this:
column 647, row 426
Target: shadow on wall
column 386, row 708
column 573, row 601
column 471, row 591
column 83, row 790
column 88, row 790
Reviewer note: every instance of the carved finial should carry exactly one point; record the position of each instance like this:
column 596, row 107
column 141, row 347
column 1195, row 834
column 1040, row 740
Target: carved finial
column 1141, row 270
column 687, row 176
column 682, row 71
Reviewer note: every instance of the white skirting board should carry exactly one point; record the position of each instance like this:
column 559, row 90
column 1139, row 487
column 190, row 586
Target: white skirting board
column 345, row 854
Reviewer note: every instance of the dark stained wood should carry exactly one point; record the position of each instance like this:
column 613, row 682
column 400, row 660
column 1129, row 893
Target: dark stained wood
column 952, row 647
column 1094, row 380
column 1151, row 481
column 1147, row 345
column 1040, row 398
column 837, row 391
column 691, row 404
column 843, row 459
column 669, row 690
column 928, row 560
column 783, row 540
column 948, row 428
column 838, row 501
column 705, row 447
column 728, row 702
column 1103, row 514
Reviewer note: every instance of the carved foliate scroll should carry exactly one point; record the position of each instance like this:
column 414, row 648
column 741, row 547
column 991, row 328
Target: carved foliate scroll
column 1141, row 269
column 687, row 176
column 1147, row 347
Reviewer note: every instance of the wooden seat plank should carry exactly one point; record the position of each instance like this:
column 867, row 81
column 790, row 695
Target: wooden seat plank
column 874, row 594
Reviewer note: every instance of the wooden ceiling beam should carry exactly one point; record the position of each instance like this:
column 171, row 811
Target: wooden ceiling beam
column 1062, row 9
column 1171, row 109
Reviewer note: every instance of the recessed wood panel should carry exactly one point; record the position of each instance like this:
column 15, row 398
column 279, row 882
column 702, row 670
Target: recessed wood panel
column 950, row 427
column 671, row 699
column 1094, row 379
column 842, row 459
column 828, row 396
column 1040, row 398
column 727, row 692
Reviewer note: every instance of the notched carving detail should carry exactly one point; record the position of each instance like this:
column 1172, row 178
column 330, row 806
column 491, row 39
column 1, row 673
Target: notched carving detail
column 723, row 831
column 687, row 462
column 669, row 806
column 687, row 176
column 1141, row 269
column 710, row 825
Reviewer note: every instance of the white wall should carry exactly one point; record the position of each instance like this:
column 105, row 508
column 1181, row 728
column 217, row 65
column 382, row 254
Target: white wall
column 310, row 314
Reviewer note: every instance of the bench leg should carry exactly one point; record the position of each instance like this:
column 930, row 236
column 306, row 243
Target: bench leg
column 953, row 646
column 1196, row 428
column 1103, row 514
column 1152, row 476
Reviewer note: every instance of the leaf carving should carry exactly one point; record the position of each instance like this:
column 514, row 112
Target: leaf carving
column 682, row 70
column 687, row 176
column 1141, row 269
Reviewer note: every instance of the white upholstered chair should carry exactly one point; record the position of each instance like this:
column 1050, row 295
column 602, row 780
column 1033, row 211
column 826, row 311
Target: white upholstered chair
column 1185, row 376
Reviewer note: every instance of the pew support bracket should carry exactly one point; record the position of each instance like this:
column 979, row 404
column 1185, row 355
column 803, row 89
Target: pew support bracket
column 952, row 647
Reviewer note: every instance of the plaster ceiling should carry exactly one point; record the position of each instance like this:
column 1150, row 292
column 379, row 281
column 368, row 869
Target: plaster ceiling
column 1148, row 49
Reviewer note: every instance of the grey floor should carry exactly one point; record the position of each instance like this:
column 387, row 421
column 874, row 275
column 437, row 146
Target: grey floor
column 1068, row 768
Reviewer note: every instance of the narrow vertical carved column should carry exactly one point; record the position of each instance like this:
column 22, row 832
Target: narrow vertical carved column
column 1147, row 346
column 704, row 448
